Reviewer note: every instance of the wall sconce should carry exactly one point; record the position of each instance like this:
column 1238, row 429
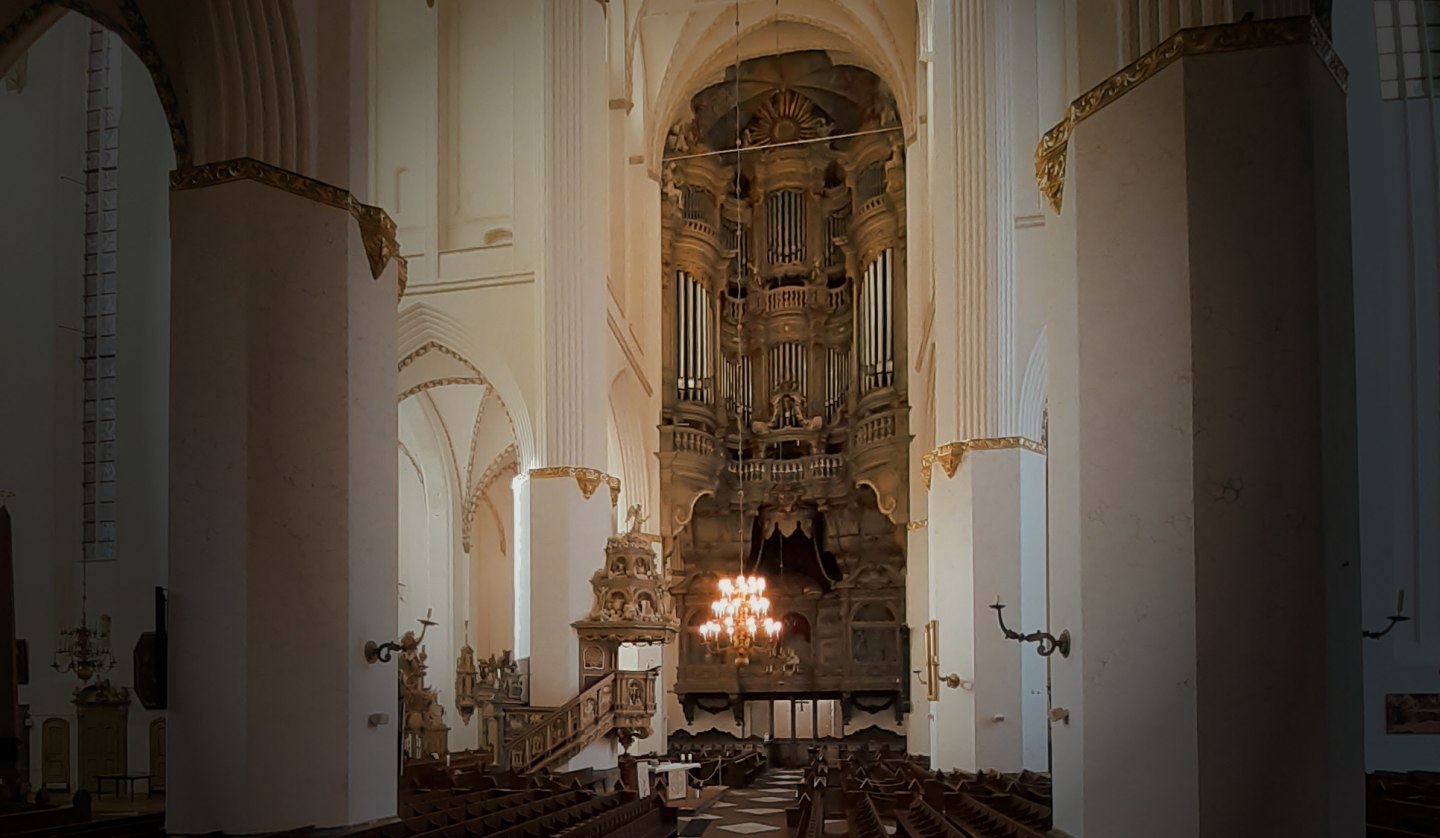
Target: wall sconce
column 931, row 679
column 381, row 651
column 1395, row 619
column 1049, row 643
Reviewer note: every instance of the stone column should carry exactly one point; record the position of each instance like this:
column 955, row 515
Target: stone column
column 10, row 730
column 570, row 500
column 283, row 533
column 1203, row 452
column 984, row 484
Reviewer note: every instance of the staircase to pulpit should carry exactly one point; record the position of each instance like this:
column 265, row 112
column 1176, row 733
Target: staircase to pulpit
column 620, row 703
column 632, row 605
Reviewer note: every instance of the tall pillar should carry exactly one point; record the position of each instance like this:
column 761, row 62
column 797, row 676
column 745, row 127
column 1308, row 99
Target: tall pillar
column 1204, row 451
column 983, row 483
column 570, row 499
column 10, row 731
column 283, row 533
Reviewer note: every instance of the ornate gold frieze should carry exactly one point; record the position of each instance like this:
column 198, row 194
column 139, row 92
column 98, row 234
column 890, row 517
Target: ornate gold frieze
column 377, row 229
column 949, row 455
column 588, row 479
column 1050, row 155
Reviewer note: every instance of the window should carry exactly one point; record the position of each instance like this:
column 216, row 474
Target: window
column 1408, row 37
column 102, row 157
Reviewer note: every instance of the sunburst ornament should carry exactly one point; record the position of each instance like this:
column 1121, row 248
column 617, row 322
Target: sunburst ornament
column 786, row 118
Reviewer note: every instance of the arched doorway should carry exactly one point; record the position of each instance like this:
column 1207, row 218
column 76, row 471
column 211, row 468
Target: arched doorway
column 55, row 754
column 157, row 754
column 101, row 714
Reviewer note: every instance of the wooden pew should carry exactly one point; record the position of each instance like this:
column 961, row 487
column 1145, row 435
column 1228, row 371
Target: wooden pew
column 920, row 820
column 862, row 818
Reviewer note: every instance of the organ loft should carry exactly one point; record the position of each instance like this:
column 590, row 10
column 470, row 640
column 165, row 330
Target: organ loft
column 785, row 426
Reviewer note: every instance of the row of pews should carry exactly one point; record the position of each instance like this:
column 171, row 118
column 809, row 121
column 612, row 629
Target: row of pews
column 76, row 819
column 450, row 801
column 1402, row 804
column 885, row 794
column 735, row 768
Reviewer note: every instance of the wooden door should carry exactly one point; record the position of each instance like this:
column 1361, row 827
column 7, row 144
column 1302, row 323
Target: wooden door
column 157, row 754
column 102, row 742
column 55, row 753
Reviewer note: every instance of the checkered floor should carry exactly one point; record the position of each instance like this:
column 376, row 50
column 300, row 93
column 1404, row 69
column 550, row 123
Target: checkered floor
column 758, row 810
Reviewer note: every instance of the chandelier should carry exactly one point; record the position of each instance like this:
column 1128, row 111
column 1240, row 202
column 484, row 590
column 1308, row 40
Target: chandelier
column 86, row 652
column 741, row 620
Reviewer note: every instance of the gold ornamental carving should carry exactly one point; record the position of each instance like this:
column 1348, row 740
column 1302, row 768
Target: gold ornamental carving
column 377, row 228
column 950, row 455
column 1050, row 154
column 588, row 479
column 918, row 524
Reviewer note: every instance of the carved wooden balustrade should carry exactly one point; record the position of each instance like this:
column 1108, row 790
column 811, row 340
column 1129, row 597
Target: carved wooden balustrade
column 621, row 703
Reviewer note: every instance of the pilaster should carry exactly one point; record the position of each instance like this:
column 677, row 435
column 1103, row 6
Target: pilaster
column 987, row 543
column 972, row 221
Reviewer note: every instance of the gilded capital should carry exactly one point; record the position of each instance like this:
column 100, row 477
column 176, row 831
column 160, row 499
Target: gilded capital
column 1050, row 155
column 377, row 228
column 950, row 455
column 588, row 479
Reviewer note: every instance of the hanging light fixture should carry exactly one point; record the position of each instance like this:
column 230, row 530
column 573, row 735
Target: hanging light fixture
column 740, row 616
column 82, row 649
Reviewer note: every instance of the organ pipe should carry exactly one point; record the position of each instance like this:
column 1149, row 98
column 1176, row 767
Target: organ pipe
column 785, row 218
column 877, row 340
column 695, row 340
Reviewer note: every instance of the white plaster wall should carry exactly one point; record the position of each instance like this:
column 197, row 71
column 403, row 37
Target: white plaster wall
column 1394, row 216
column 40, row 346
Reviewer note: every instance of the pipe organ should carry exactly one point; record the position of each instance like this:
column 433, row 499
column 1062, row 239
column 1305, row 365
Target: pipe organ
column 784, row 429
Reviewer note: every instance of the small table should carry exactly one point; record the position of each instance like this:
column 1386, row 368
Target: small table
column 117, row 779
column 676, row 787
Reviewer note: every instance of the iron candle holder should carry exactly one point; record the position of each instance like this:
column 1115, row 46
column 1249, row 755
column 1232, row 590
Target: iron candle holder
column 1049, row 643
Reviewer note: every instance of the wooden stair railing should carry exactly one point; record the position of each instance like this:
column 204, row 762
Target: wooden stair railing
column 621, row 703
column 566, row 731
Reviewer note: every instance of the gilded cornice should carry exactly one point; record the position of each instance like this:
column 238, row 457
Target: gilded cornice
column 588, row 479
column 377, row 228
column 1050, row 155
column 950, row 454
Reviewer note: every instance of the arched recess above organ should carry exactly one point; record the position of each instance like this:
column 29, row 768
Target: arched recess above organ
column 693, row 51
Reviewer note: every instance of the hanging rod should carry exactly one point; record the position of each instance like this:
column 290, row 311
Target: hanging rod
column 783, row 145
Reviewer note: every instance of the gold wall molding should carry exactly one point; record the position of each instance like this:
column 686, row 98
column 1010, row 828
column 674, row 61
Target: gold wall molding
column 949, row 455
column 377, row 228
column 1050, row 155
column 588, row 479
column 918, row 524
